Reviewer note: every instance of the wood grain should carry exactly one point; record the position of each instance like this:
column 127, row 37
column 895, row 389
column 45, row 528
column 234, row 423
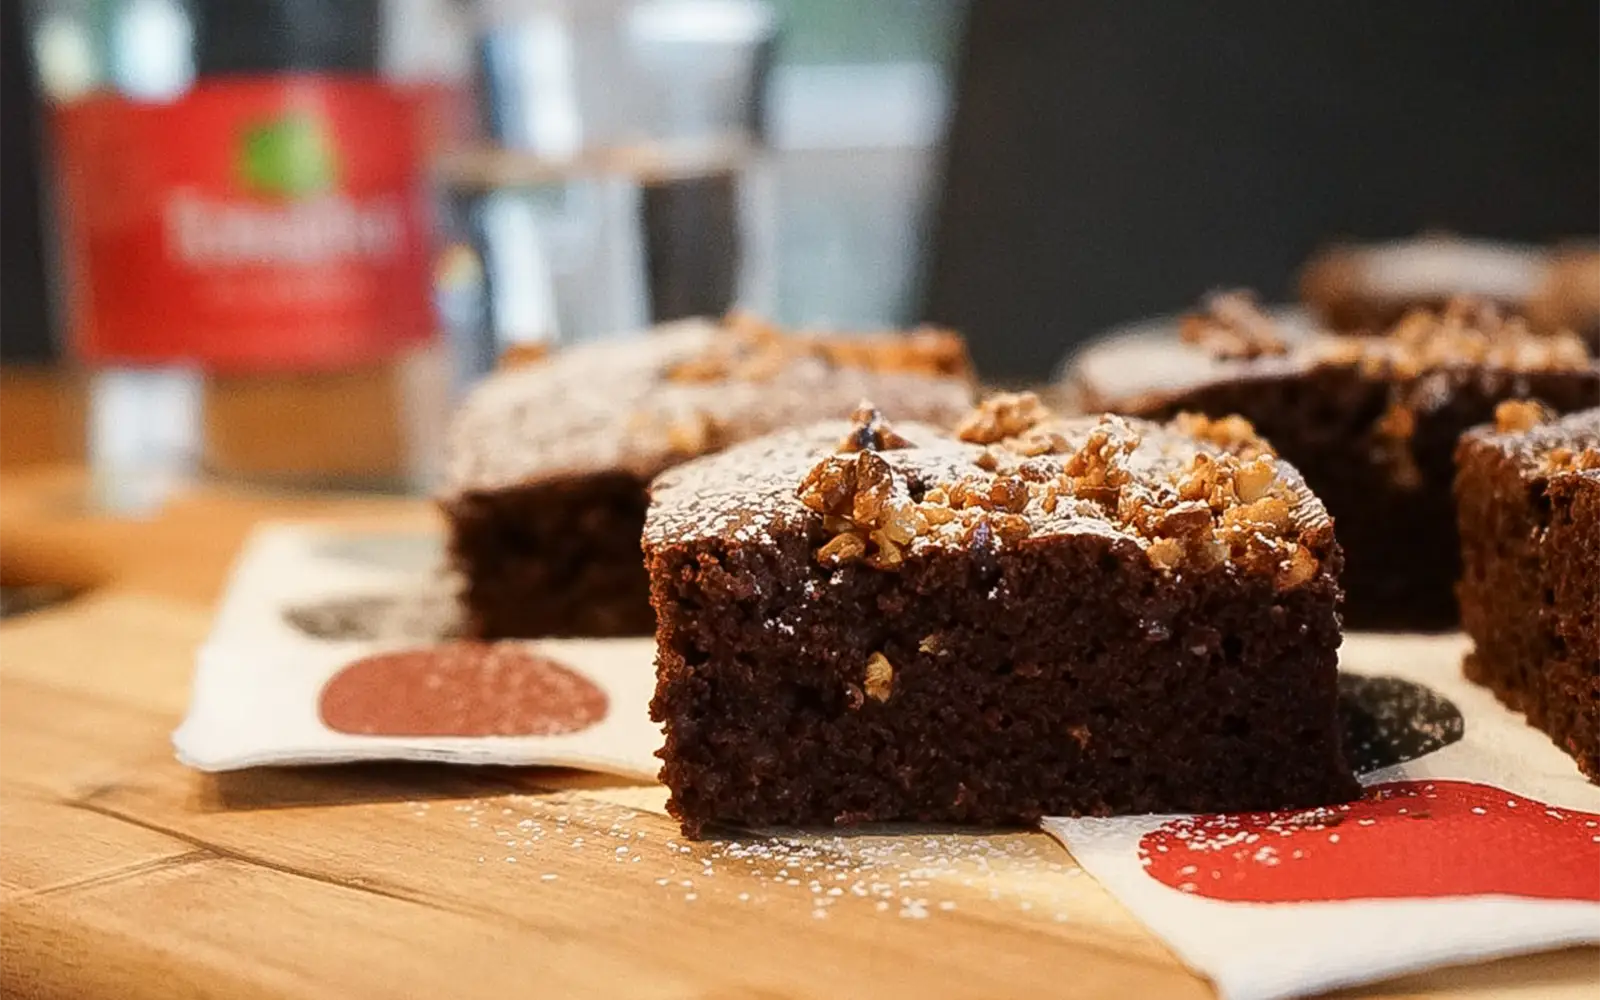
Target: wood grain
column 123, row 874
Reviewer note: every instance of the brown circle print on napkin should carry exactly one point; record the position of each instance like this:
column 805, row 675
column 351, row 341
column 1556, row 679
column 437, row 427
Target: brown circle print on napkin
column 460, row 689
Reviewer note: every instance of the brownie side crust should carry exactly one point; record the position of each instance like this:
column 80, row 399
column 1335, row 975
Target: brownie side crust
column 1372, row 423
column 556, row 558
column 987, row 677
column 1528, row 502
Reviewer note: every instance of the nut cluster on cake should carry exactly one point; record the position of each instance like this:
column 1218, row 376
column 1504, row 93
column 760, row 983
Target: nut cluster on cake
column 1571, row 445
column 751, row 349
column 1466, row 332
column 1200, row 493
column 1233, row 327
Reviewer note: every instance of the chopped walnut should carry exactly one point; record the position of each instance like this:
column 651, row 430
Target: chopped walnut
column 1514, row 416
column 1039, row 442
column 1466, row 332
column 841, row 549
column 924, row 351
column 1393, row 432
column 1184, row 520
column 1192, row 509
column 754, row 350
column 1010, row 527
column 695, row 434
column 1166, row 553
column 1564, row 459
column 879, row 681
column 1233, row 433
column 1252, row 480
column 869, row 431
column 1297, row 569
column 1098, row 470
column 830, row 486
column 1233, row 327
column 1003, row 415
column 875, row 484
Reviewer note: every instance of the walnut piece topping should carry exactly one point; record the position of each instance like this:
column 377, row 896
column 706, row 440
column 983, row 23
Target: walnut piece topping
column 1233, row 327
column 840, row 549
column 696, row 434
column 1221, row 497
column 926, row 350
column 1232, row 433
column 879, row 682
column 1514, row 416
column 1003, row 415
column 754, row 350
column 1565, row 460
column 870, row 432
column 1467, row 331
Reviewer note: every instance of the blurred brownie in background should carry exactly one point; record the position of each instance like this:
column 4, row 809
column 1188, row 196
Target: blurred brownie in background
column 550, row 459
column 1370, row 287
column 1371, row 421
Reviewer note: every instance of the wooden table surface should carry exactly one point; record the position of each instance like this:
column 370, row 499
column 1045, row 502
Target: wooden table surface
column 123, row 874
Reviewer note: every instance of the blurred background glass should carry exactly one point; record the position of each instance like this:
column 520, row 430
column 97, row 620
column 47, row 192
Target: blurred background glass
column 640, row 162
column 597, row 165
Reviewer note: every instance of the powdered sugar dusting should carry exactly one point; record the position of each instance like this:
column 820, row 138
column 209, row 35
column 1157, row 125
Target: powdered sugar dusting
column 747, row 494
column 611, row 406
column 905, row 874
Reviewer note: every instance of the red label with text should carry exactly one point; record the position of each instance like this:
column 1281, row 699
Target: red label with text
column 251, row 225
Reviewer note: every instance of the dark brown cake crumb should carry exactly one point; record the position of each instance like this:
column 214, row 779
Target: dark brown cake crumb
column 1233, row 327
column 1137, row 619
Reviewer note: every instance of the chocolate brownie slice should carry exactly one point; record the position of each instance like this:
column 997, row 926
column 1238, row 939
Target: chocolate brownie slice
column 859, row 622
column 1372, row 422
column 549, row 459
column 1371, row 287
column 1528, row 499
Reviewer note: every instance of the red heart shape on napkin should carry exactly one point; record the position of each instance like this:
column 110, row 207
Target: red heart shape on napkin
column 460, row 689
column 1406, row 839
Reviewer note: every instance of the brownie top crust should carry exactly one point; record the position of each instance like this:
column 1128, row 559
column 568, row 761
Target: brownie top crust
column 1234, row 341
column 1194, row 494
column 639, row 404
column 1541, row 445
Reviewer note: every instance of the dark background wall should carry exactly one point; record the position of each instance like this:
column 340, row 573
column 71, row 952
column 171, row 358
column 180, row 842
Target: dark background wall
column 25, row 331
column 1110, row 160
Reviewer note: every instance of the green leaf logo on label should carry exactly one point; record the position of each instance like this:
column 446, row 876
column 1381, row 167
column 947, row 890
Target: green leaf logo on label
column 288, row 157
